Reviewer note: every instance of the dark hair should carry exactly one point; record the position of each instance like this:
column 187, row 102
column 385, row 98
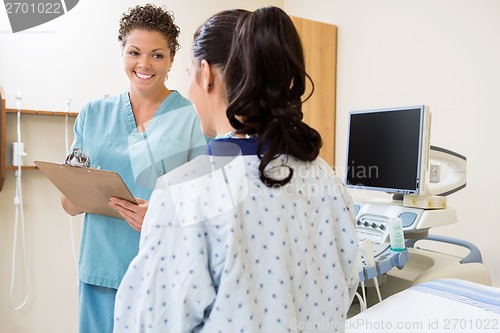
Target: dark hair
column 212, row 41
column 265, row 79
column 153, row 18
column 261, row 57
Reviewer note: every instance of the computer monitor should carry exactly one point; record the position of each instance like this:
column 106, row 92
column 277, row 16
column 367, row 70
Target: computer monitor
column 387, row 150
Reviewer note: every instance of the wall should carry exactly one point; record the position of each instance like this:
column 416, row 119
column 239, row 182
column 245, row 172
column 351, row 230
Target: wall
column 440, row 53
column 390, row 53
column 77, row 57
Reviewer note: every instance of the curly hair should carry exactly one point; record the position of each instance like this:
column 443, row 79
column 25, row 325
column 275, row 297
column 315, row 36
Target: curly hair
column 152, row 18
column 262, row 61
column 266, row 79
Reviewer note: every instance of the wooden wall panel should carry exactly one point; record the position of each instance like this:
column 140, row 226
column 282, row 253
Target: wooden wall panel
column 319, row 41
column 2, row 137
column 3, row 130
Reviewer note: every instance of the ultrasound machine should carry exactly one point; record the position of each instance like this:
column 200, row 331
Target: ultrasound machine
column 389, row 151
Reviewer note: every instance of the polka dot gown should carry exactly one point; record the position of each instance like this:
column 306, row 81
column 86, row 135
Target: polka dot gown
column 221, row 252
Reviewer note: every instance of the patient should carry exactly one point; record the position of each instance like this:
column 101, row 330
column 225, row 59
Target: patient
column 258, row 234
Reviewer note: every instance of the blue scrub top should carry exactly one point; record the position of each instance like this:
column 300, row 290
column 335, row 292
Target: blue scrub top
column 106, row 132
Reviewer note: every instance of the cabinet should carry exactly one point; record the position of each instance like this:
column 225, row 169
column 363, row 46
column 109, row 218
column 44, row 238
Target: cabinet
column 319, row 41
column 4, row 113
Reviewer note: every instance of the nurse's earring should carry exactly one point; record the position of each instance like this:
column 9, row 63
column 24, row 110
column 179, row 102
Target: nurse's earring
column 166, row 77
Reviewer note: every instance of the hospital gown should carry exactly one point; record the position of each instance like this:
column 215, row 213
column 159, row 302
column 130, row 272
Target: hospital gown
column 222, row 252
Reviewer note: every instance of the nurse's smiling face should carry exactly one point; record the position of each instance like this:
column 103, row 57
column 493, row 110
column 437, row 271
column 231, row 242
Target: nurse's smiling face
column 146, row 60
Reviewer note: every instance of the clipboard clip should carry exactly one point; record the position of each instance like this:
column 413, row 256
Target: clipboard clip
column 77, row 158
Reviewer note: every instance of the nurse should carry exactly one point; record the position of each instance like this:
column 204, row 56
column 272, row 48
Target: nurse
column 141, row 134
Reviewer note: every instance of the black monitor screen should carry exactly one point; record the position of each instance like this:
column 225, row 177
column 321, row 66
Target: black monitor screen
column 384, row 149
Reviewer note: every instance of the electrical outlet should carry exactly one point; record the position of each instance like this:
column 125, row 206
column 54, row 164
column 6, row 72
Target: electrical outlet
column 17, row 153
column 435, row 173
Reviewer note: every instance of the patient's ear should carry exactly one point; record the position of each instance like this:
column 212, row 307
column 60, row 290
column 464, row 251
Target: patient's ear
column 207, row 75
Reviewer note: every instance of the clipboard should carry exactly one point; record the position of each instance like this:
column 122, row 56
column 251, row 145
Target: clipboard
column 89, row 189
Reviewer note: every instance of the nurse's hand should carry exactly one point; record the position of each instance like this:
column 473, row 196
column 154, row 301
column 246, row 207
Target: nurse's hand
column 69, row 207
column 132, row 213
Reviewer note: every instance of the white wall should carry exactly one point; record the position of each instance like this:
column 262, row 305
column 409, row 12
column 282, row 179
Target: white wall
column 440, row 53
column 77, row 57
column 390, row 53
